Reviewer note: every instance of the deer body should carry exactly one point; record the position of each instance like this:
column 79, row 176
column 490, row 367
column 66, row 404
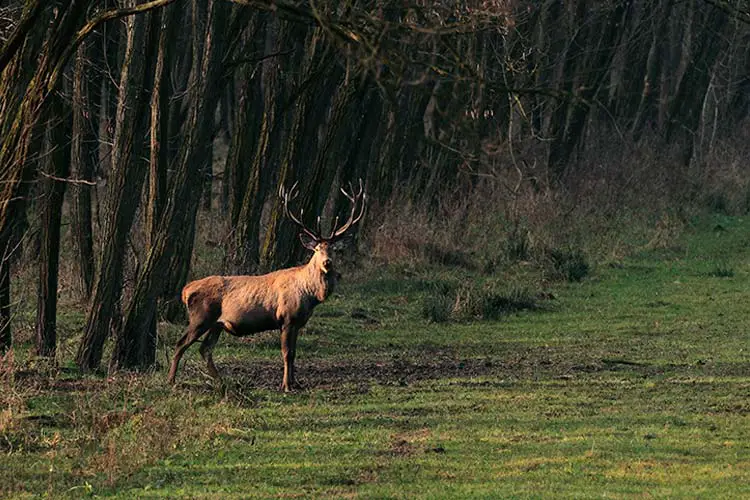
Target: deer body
column 245, row 305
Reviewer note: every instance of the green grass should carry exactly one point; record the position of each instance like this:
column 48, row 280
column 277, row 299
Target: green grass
column 633, row 382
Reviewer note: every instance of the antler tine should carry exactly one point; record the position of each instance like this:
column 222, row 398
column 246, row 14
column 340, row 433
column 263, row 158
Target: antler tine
column 333, row 227
column 290, row 195
column 353, row 196
column 353, row 216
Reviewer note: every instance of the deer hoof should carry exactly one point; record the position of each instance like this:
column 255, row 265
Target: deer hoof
column 291, row 387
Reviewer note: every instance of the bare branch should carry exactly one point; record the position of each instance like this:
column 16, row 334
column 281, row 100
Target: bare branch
column 30, row 15
column 63, row 179
column 93, row 24
column 256, row 59
column 731, row 10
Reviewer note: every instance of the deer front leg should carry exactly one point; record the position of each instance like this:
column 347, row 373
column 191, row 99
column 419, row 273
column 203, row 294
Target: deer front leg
column 288, row 352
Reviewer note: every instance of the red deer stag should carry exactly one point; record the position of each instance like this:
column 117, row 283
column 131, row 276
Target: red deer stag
column 284, row 299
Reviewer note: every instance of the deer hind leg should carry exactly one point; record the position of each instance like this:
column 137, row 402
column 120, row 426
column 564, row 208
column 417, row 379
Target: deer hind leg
column 207, row 350
column 192, row 334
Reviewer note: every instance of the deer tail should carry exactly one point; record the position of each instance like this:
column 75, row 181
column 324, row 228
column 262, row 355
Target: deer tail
column 187, row 291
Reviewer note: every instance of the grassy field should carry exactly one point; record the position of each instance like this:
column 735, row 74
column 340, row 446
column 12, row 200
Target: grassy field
column 633, row 382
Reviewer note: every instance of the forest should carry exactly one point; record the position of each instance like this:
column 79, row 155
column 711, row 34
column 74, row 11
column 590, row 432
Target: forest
column 135, row 133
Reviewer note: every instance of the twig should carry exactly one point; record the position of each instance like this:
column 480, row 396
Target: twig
column 62, row 179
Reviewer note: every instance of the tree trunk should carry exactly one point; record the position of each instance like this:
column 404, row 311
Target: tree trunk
column 358, row 152
column 180, row 254
column 226, row 124
column 32, row 12
column 22, row 100
column 162, row 29
column 124, row 188
column 584, row 71
column 6, row 338
column 49, row 40
column 685, row 108
column 163, row 25
column 321, row 175
column 57, row 165
column 244, row 137
column 267, row 148
column 135, row 347
column 649, row 87
column 83, row 151
column 311, row 101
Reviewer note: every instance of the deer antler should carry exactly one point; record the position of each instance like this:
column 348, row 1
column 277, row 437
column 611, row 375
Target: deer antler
column 286, row 196
column 354, row 198
column 357, row 200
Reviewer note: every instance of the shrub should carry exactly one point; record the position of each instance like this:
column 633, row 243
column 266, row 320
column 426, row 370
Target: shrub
column 437, row 305
column 717, row 202
column 722, row 270
column 471, row 300
column 518, row 245
column 568, row 264
column 496, row 304
column 437, row 308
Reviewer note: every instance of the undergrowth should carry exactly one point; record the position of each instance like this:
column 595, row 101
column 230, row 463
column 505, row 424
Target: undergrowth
column 472, row 300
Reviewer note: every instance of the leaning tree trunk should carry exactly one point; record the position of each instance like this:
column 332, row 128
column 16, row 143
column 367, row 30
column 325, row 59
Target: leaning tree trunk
column 123, row 194
column 685, row 108
column 163, row 25
column 47, row 38
column 358, row 149
column 269, row 121
column 136, row 346
column 300, row 146
column 320, row 175
column 57, row 164
column 182, row 248
column 162, row 29
column 584, row 72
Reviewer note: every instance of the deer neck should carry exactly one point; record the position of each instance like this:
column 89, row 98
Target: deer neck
column 316, row 285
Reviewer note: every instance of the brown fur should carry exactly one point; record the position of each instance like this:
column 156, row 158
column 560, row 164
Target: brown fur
column 244, row 305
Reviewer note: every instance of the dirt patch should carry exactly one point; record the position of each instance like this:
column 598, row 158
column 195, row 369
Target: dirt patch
column 400, row 367
column 408, row 367
column 76, row 385
column 408, row 443
column 51, row 381
column 401, row 448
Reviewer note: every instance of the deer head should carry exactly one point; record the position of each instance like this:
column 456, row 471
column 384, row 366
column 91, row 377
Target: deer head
column 322, row 246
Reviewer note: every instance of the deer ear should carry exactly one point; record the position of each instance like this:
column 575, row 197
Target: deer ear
column 308, row 241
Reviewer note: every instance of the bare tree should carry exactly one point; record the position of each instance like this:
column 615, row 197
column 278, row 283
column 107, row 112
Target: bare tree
column 136, row 344
column 56, row 165
column 32, row 62
column 123, row 193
